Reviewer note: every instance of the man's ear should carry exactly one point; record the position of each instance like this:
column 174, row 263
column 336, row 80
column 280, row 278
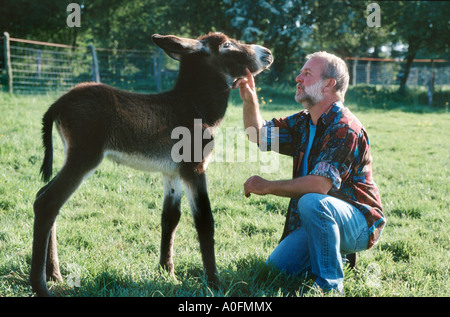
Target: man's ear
column 175, row 46
column 330, row 83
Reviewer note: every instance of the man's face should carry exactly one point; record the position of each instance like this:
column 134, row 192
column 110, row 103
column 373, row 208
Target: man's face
column 310, row 83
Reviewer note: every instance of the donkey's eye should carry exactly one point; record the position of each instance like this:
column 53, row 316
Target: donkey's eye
column 226, row 45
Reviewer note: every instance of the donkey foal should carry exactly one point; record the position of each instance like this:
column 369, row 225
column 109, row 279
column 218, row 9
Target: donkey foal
column 97, row 121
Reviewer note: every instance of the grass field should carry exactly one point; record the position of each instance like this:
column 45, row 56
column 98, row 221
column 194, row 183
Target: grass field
column 109, row 231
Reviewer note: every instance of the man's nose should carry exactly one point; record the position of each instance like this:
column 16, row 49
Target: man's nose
column 299, row 78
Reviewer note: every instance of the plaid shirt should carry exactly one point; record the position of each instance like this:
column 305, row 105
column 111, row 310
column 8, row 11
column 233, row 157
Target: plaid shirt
column 340, row 152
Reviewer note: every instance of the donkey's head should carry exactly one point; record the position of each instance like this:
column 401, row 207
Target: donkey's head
column 224, row 55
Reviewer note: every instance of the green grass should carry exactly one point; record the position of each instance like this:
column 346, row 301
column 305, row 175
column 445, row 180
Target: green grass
column 109, row 231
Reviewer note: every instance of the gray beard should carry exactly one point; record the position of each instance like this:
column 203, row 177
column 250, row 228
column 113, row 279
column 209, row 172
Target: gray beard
column 311, row 95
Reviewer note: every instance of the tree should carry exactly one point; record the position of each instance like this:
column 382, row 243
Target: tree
column 43, row 20
column 341, row 27
column 422, row 25
column 198, row 17
column 130, row 24
column 275, row 24
column 290, row 28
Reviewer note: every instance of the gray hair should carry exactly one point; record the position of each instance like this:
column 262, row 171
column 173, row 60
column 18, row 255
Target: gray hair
column 334, row 68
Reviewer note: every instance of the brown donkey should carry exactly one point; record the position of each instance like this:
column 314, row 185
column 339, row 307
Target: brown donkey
column 97, row 121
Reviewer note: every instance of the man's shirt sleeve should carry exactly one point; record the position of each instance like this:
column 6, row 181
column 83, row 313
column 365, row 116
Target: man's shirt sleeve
column 276, row 135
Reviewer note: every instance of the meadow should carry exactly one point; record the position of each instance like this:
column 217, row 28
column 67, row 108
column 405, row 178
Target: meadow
column 109, row 231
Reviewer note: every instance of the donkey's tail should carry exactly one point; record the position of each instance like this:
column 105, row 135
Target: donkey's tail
column 47, row 127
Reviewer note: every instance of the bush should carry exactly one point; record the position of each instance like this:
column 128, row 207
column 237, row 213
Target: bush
column 389, row 97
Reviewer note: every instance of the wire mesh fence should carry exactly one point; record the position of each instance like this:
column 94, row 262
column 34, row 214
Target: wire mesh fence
column 136, row 70
column 385, row 72
column 41, row 69
column 38, row 67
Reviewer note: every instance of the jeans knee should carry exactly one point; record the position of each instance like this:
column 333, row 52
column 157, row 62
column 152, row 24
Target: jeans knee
column 309, row 201
column 309, row 205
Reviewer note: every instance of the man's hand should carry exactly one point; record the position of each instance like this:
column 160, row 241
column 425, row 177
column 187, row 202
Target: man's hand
column 251, row 114
column 246, row 87
column 256, row 185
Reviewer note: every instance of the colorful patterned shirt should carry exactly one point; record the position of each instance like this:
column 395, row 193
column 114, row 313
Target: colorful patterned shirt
column 340, row 152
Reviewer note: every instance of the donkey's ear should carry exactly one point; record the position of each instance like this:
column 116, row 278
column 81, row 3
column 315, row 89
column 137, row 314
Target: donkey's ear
column 176, row 47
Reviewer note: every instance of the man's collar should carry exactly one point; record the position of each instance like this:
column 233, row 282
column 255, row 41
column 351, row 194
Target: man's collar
column 328, row 116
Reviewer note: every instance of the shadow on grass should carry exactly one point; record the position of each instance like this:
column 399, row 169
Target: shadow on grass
column 246, row 277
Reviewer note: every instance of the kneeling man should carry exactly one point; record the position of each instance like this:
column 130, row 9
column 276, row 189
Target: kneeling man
column 335, row 207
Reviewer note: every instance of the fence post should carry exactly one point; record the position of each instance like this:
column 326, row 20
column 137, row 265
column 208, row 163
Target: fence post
column 431, row 81
column 8, row 67
column 368, row 73
column 95, row 71
column 355, row 63
column 157, row 69
column 38, row 64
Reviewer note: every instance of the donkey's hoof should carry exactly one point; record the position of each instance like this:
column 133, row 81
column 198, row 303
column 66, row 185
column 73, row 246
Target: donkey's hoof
column 55, row 277
column 213, row 280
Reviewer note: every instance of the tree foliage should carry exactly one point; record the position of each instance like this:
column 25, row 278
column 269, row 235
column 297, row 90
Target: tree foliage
column 291, row 28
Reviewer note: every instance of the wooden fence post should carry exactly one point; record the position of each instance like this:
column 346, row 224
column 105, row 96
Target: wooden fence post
column 8, row 67
column 95, row 71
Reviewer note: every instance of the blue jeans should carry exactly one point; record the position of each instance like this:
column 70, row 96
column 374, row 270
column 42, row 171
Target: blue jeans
column 330, row 228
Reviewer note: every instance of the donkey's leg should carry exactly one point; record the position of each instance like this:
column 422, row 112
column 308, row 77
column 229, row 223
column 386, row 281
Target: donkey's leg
column 53, row 272
column 169, row 220
column 46, row 208
column 52, row 265
column 204, row 223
